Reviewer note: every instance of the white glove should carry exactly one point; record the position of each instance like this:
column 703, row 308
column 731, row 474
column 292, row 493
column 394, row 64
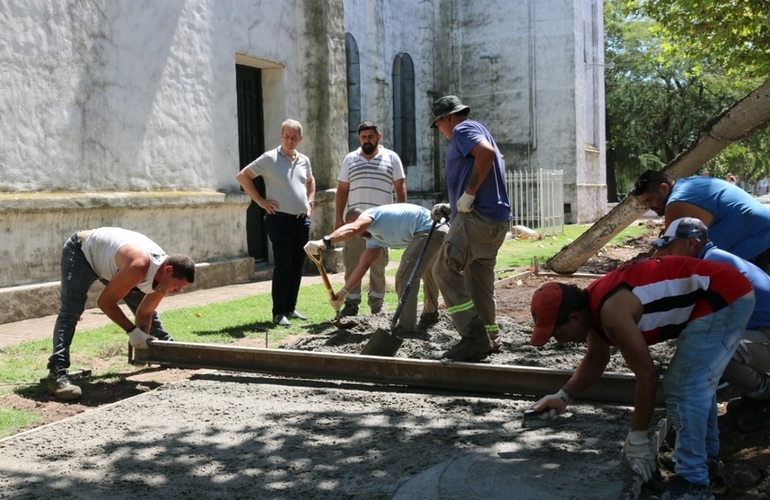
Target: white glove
column 138, row 339
column 441, row 211
column 556, row 402
column 465, row 203
column 314, row 247
column 639, row 454
column 338, row 299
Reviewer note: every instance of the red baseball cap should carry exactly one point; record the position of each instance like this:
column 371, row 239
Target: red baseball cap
column 551, row 304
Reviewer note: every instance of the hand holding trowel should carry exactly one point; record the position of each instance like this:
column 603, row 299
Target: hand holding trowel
column 546, row 411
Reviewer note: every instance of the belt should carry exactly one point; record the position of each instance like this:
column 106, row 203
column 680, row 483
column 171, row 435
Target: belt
column 293, row 216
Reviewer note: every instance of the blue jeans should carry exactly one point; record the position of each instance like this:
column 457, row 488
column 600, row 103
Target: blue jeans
column 703, row 350
column 77, row 276
column 288, row 234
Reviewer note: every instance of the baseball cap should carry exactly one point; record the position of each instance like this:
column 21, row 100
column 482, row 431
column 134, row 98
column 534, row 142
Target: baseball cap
column 550, row 306
column 448, row 105
column 685, row 227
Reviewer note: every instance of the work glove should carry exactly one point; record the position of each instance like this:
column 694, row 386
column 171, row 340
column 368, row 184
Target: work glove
column 138, row 339
column 441, row 211
column 639, row 454
column 465, row 203
column 314, row 247
column 556, row 402
column 338, row 299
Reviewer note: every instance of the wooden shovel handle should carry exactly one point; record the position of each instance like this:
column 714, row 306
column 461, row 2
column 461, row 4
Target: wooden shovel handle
column 318, row 261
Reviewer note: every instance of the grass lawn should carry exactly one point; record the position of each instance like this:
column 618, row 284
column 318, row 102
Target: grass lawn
column 22, row 366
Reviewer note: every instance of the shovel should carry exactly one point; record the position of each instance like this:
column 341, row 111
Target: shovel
column 383, row 342
column 318, row 261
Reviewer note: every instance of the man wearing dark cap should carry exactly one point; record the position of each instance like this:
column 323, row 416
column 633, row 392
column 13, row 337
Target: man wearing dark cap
column 704, row 305
column 480, row 213
column 749, row 367
column 737, row 222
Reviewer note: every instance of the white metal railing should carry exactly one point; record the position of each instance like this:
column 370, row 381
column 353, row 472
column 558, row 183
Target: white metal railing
column 537, row 200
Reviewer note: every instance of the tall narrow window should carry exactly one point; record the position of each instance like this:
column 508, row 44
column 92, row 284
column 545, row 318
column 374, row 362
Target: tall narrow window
column 404, row 122
column 353, row 67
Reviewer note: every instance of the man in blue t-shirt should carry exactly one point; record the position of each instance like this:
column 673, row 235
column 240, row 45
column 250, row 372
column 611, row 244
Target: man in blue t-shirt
column 480, row 213
column 749, row 366
column 737, row 222
column 393, row 226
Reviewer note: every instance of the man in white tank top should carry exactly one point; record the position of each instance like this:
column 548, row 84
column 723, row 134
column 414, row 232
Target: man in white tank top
column 134, row 269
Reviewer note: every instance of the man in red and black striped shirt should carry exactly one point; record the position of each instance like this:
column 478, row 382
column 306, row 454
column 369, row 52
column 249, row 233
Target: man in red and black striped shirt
column 704, row 305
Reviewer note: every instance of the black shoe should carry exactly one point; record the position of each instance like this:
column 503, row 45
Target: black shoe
column 427, row 320
column 756, row 419
column 60, row 385
column 682, row 489
column 470, row 349
column 349, row 310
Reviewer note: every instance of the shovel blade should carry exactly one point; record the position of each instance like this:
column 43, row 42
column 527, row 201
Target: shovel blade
column 383, row 344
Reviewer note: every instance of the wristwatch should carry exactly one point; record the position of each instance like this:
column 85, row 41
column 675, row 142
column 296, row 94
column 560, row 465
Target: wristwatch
column 327, row 241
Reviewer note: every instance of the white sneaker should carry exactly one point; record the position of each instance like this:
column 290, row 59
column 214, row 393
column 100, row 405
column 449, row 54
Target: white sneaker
column 281, row 320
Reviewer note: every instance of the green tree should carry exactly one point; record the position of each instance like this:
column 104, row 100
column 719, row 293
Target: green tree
column 658, row 100
column 733, row 36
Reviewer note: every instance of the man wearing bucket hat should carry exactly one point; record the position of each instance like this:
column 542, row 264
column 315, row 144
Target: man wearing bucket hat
column 749, row 366
column 480, row 212
column 704, row 305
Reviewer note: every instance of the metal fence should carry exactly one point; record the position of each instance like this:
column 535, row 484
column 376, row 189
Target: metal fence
column 537, row 200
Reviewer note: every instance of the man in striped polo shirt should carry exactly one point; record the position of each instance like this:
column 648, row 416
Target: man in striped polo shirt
column 368, row 178
column 704, row 305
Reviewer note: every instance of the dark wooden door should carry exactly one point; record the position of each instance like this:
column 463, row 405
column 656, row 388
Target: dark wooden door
column 251, row 144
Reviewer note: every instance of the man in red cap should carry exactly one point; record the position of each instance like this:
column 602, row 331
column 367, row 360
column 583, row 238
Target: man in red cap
column 704, row 305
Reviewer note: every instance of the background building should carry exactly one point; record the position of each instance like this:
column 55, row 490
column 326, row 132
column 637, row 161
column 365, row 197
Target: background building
column 139, row 113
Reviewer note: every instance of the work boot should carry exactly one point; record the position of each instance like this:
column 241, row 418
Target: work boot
column 60, row 385
column 682, row 489
column 427, row 320
column 350, row 309
column 469, row 349
column 375, row 305
column 756, row 419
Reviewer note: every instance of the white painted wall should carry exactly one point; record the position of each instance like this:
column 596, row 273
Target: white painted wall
column 130, row 95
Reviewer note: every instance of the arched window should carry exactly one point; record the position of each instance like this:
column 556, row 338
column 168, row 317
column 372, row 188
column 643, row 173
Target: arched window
column 352, row 63
column 404, row 131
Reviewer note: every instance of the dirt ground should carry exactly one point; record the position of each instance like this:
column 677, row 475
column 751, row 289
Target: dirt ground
column 746, row 455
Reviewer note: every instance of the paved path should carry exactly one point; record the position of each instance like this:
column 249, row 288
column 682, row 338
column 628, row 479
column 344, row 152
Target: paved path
column 42, row 328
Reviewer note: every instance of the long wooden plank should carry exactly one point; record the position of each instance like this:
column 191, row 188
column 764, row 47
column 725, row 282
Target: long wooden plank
column 452, row 376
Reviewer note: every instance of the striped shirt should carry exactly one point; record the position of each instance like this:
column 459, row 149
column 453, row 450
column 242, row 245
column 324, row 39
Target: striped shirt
column 371, row 181
column 673, row 291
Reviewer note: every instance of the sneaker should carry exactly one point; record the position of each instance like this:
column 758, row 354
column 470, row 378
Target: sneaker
column 349, row 310
column 469, row 349
column 427, row 320
column 682, row 489
column 757, row 419
column 297, row 315
column 60, row 385
column 281, row 319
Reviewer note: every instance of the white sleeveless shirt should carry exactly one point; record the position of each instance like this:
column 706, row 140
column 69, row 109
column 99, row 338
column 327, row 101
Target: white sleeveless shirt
column 102, row 244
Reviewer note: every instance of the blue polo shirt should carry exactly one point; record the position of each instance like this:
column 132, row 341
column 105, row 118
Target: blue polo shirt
column 759, row 280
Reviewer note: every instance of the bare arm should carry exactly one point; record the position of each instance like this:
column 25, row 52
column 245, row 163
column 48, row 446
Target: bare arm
column 347, row 231
column 400, row 188
column 620, row 315
column 310, row 186
column 590, row 368
column 133, row 264
column 147, row 306
column 246, row 179
column 340, row 201
column 484, row 156
column 368, row 257
column 679, row 209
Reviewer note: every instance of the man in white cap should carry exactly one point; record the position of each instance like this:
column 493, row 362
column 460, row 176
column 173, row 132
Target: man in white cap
column 749, row 366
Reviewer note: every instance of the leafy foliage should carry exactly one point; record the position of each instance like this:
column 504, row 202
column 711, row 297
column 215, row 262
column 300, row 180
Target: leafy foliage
column 732, row 35
column 658, row 98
